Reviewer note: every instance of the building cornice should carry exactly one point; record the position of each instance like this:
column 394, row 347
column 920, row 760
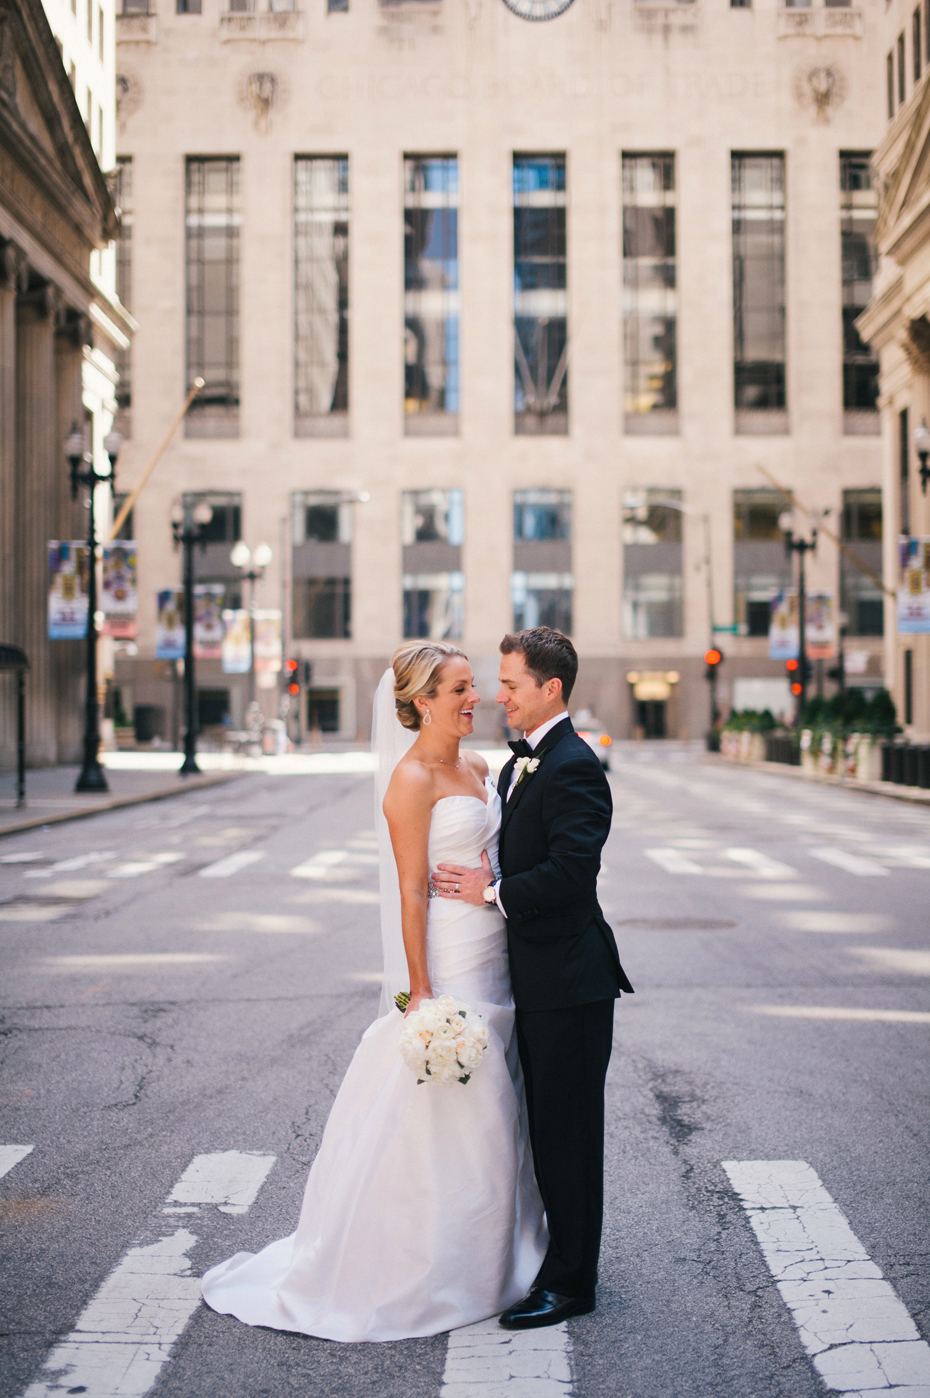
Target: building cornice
column 881, row 321
column 899, row 161
column 70, row 175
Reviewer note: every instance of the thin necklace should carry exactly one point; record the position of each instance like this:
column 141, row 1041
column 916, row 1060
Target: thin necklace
column 456, row 765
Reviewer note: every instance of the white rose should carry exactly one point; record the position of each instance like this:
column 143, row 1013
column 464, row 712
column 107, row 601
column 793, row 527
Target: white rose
column 446, row 1005
column 457, row 1024
column 442, row 1052
column 430, row 1018
column 413, row 1056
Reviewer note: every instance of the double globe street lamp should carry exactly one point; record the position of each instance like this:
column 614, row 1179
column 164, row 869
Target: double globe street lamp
column 188, row 522
column 83, row 472
column 241, row 557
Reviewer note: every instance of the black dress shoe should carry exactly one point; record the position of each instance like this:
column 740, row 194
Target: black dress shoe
column 544, row 1308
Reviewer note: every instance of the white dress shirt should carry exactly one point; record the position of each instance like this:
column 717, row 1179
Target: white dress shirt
column 534, row 739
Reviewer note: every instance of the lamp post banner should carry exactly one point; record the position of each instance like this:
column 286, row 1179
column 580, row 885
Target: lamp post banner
column 820, row 614
column 913, row 586
column 268, row 650
column 120, row 600
column 819, row 626
column 67, row 594
column 169, row 627
column 237, row 648
column 784, row 638
column 208, row 621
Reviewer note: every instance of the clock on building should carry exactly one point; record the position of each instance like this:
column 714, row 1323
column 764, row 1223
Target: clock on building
column 538, row 9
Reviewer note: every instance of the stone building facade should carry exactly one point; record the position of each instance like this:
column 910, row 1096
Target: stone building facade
column 897, row 323
column 59, row 332
column 505, row 321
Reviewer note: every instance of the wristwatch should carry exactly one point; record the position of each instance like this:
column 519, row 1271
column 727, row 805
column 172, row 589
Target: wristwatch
column 488, row 894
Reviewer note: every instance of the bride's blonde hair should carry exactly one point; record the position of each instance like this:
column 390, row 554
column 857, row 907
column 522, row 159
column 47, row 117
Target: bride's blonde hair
column 418, row 667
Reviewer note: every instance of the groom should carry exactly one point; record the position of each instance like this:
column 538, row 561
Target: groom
column 563, row 959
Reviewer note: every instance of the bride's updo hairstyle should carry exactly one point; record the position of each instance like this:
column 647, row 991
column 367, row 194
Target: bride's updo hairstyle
column 418, row 667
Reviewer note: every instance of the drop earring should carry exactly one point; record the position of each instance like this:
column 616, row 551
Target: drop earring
column 427, row 719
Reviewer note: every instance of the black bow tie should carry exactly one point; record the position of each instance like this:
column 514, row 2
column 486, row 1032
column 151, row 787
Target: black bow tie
column 521, row 748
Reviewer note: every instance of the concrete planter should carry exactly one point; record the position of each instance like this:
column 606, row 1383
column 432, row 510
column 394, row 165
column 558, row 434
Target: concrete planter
column 742, row 745
column 867, row 759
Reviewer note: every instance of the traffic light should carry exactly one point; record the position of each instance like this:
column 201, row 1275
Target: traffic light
column 713, row 659
column 794, row 675
column 799, row 675
column 291, row 673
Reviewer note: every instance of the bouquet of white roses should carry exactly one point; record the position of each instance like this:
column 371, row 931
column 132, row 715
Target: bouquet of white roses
column 443, row 1041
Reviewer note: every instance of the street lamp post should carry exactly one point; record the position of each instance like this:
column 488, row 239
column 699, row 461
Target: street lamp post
column 240, row 558
column 188, row 521
column 802, row 547
column 91, row 776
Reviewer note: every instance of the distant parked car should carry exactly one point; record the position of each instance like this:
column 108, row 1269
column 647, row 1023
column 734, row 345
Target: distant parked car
column 596, row 737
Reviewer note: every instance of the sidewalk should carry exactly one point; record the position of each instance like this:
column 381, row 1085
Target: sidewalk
column 51, row 798
column 134, row 777
column 915, row 794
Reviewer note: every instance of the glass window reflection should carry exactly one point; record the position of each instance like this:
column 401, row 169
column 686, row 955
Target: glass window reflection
column 431, row 294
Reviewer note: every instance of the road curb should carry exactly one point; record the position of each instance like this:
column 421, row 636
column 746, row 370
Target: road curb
column 161, row 794
column 916, row 795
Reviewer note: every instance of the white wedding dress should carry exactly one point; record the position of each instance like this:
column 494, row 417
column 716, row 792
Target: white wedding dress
column 421, row 1212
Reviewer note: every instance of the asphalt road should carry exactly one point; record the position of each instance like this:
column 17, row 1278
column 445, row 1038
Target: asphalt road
column 151, row 1013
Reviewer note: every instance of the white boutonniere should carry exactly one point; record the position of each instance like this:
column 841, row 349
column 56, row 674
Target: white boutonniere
column 525, row 766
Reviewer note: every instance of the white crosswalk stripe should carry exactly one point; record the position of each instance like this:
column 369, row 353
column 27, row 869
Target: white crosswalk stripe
column 230, row 1179
column 319, row 865
column 10, row 1156
column 68, row 866
column 761, row 864
column 850, row 863
column 673, row 861
column 485, row 1361
column 133, row 868
column 125, row 1335
column 859, row 1335
column 232, row 864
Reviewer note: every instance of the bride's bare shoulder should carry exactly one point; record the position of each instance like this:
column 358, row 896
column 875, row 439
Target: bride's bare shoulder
column 477, row 763
column 410, row 787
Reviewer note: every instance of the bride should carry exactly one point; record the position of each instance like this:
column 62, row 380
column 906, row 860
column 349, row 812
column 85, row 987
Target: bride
column 421, row 1211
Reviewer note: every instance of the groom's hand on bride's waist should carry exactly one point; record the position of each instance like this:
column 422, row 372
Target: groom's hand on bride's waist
column 461, row 884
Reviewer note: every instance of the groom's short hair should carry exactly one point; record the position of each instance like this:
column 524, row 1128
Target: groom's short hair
column 548, row 654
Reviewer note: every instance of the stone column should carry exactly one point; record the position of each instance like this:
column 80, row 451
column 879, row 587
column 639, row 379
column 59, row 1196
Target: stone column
column 11, row 268
column 68, row 659
column 40, row 467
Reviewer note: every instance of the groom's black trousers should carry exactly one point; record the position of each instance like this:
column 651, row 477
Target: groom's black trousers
column 564, row 1055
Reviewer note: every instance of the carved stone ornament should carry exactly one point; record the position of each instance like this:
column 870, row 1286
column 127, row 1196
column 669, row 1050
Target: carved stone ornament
column 821, row 87
column 261, row 93
column 917, row 345
column 75, row 327
column 46, row 300
column 14, row 267
column 128, row 96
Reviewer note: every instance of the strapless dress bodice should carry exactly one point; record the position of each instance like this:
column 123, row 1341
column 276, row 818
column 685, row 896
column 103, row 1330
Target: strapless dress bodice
column 462, row 826
column 466, row 945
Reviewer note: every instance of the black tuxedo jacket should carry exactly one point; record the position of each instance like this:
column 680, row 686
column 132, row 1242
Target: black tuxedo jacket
column 562, row 950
